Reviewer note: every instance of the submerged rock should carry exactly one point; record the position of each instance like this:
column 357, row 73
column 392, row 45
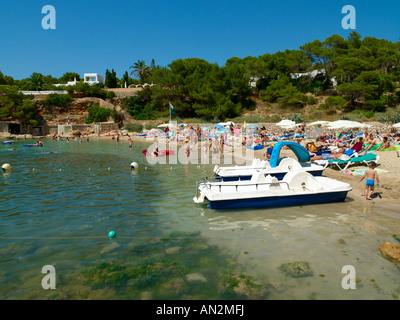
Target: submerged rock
column 173, row 287
column 110, row 247
column 391, row 251
column 244, row 287
column 296, row 269
column 173, row 250
column 195, row 277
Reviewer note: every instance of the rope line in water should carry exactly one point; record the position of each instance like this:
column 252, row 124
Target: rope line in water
column 97, row 237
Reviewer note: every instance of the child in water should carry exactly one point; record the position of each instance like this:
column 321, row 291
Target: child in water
column 371, row 176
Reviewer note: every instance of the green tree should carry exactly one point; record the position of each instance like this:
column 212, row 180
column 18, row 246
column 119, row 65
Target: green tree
column 36, row 82
column 354, row 39
column 125, row 80
column 25, row 112
column 140, row 70
column 69, row 76
column 111, row 80
column 6, row 79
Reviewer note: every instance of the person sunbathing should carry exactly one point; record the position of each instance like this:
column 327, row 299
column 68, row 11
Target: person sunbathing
column 385, row 144
column 370, row 141
column 327, row 156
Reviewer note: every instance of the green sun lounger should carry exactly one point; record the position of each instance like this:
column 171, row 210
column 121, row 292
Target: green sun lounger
column 343, row 164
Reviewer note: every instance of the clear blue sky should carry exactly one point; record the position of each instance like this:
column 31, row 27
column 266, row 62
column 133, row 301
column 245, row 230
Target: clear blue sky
column 92, row 36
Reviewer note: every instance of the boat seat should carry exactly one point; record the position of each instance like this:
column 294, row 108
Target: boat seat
column 269, row 183
column 289, row 164
column 301, row 180
column 250, row 186
column 255, row 160
column 256, row 163
column 263, row 163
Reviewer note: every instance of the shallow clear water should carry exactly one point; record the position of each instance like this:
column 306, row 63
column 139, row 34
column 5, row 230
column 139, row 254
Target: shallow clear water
column 57, row 209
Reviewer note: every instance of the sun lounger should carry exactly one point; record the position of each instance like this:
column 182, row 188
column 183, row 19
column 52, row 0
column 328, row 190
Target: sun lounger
column 343, row 164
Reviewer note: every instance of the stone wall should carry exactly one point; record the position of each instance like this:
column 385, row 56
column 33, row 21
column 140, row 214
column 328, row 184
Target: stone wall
column 108, row 127
column 3, row 127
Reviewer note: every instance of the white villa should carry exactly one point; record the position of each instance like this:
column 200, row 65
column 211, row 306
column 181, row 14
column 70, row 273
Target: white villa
column 90, row 78
column 93, row 78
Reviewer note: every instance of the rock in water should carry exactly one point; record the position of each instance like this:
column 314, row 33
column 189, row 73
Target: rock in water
column 110, row 247
column 296, row 269
column 195, row 277
column 173, row 250
column 391, row 251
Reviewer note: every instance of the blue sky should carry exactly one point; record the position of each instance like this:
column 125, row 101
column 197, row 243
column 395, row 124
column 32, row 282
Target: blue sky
column 92, row 36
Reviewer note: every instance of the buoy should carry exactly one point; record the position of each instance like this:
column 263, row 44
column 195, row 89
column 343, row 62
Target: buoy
column 134, row 166
column 111, row 234
column 5, row 168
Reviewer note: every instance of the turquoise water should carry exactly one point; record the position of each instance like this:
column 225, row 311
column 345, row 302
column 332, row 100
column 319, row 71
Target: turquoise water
column 57, row 209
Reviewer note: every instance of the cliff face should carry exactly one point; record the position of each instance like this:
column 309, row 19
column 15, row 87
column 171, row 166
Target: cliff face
column 76, row 111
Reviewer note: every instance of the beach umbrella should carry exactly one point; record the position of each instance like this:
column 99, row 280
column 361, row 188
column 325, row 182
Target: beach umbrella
column 218, row 125
column 166, row 125
column 205, row 128
column 347, row 124
column 397, row 125
column 286, row 124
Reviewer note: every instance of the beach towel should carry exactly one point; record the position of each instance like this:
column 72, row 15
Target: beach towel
column 360, row 172
column 393, row 148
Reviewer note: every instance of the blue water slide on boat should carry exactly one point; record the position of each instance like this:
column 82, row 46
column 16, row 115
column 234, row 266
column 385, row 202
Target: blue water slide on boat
column 301, row 153
column 296, row 188
column 276, row 167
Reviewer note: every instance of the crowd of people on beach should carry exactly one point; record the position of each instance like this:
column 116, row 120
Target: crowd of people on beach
column 322, row 144
column 219, row 139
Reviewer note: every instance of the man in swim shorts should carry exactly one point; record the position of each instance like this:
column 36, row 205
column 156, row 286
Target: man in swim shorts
column 371, row 176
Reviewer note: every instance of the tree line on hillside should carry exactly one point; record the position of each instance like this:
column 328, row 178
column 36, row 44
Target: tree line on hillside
column 359, row 74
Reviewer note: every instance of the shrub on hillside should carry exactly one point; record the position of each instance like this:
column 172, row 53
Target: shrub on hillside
column 97, row 114
column 56, row 100
column 274, row 119
column 134, row 127
column 335, row 101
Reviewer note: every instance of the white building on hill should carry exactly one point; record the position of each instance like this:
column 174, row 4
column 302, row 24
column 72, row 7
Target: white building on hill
column 90, row 78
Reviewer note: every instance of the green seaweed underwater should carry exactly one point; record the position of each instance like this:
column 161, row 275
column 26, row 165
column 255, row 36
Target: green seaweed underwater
column 179, row 266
